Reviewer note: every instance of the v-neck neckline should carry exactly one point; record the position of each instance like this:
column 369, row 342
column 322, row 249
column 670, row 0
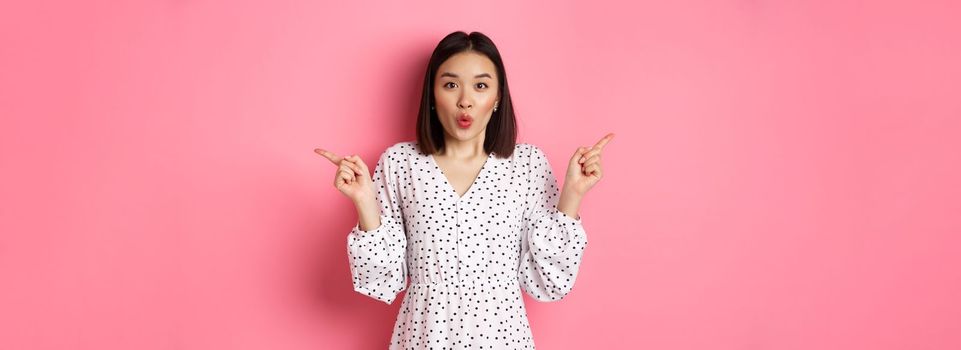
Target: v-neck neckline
column 473, row 184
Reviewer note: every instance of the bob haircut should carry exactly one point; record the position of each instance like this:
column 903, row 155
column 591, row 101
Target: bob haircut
column 501, row 134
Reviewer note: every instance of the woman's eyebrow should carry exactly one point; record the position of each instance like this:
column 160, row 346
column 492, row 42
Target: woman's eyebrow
column 452, row 75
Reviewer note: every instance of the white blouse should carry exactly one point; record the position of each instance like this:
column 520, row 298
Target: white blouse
column 467, row 258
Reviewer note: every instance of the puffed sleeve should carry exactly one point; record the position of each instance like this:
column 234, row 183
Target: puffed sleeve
column 552, row 242
column 377, row 257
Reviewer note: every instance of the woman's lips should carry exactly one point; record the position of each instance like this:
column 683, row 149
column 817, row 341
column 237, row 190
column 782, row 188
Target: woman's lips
column 464, row 121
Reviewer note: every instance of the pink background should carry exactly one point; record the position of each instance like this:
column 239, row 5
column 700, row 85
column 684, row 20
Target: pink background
column 785, row 174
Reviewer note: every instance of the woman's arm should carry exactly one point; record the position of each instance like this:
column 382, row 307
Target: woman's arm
column 376, row 246
column 552, row 241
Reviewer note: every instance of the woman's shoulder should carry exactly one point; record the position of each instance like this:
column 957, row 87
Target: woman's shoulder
column 399, row 151
column 527, row 151
column 525, row 147
column 404, row 147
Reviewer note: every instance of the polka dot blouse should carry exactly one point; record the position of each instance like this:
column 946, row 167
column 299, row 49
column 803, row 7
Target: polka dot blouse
column 468, row 257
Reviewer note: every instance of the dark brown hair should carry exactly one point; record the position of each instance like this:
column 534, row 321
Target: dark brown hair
column 501, row 134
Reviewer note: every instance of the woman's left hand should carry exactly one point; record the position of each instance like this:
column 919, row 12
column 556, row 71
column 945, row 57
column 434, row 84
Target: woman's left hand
column 584, row 169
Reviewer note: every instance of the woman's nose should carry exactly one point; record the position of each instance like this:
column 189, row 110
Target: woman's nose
column 464, row 104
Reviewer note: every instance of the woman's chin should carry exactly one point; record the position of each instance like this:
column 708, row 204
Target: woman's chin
column 461, row 134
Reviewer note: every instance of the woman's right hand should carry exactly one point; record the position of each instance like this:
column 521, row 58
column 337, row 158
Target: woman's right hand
column 352, row 177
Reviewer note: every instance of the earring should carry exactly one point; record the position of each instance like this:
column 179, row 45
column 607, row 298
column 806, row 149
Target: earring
column 432, row 108
column 495, row 106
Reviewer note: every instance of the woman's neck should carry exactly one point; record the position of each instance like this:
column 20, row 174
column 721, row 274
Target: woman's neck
column 467, row 149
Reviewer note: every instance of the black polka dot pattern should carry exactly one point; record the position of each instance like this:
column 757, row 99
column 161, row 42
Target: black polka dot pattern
column 468, row 257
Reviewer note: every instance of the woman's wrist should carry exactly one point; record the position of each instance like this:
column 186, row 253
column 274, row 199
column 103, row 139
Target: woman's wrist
column 368, row 214
column 569, row 203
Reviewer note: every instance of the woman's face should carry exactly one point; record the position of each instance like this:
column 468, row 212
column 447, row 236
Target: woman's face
column 465, row 90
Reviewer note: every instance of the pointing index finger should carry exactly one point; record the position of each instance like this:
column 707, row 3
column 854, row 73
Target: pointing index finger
column 333, row 158
column 600, row 144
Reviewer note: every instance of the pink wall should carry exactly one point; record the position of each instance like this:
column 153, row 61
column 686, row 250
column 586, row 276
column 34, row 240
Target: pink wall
column 785, row 175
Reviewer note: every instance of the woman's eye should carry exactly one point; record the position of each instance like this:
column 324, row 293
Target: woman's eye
column 448, row 85
column 482, row 87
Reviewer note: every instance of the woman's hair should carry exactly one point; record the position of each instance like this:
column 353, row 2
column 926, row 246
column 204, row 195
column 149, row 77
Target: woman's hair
column 501, row 134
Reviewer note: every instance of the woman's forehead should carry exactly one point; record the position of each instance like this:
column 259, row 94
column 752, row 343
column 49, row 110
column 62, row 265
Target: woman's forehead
column 467, row 64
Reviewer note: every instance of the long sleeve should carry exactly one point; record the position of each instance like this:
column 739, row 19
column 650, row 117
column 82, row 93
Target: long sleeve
column 377, row 257
column 552, row 242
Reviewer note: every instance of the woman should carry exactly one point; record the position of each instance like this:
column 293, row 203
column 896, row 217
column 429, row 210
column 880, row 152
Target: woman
column 467, row 214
